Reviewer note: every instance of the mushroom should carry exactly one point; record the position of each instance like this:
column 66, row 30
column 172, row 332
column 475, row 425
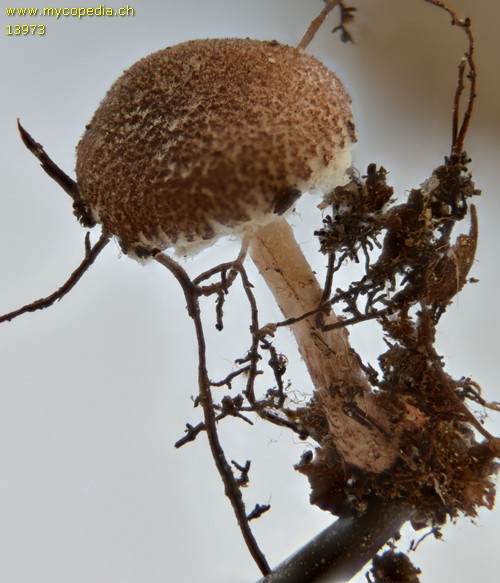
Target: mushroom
column 220, row 136
column 209, row 138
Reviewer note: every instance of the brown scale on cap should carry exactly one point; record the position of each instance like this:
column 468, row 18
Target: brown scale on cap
column 210, row 137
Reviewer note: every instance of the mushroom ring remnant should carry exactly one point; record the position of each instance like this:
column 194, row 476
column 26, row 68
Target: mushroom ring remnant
column 209, row 138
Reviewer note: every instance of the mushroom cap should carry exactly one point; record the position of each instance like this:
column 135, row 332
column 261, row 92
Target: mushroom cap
column 211, row 137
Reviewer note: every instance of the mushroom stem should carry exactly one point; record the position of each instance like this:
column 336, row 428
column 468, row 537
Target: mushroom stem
column 358, row 425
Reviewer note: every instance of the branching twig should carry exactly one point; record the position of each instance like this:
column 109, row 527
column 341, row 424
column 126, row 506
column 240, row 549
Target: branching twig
column 253, row 353
column 327, row 290
column 231, row 486
column 459, row 133
column 90, row 255
column 192, row 431
column 231, row 376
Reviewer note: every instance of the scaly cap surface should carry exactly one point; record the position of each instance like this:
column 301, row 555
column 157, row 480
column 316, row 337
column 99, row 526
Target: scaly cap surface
column 209, row 137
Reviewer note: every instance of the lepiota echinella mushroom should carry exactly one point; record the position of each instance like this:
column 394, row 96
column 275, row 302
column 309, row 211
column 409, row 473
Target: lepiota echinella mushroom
column 220, row 136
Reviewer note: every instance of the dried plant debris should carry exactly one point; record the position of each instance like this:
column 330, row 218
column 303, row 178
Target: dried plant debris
column 442, row 469
column 417, row 263
column 393, row 567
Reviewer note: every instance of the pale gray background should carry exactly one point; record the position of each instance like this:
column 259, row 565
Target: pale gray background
column 94, row 392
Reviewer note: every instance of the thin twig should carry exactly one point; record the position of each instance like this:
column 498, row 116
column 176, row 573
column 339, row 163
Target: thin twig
column 58, row 175
column 327, row 289
column 232, row 266
column 456, row 101
column 192, row 431
column 229, row 378
column 42, row 303
column 295, row 320
column 458, row 135
column 316, row 23
column 278, row 363
column 231, row 487
column 434, row 530
column 249, row 392
column 472, row 76
column 279, row 421
column 356, row 319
